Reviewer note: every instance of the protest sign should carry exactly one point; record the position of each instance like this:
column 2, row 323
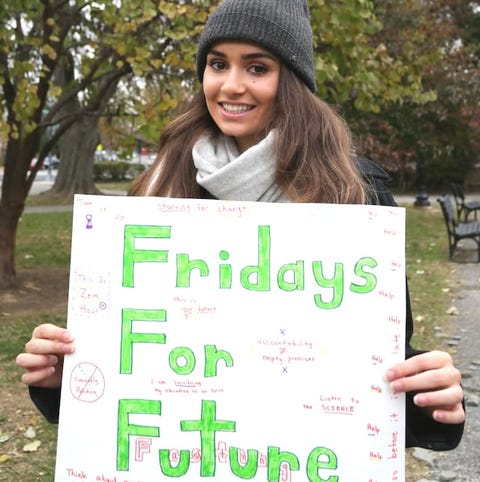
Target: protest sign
column 233, row 340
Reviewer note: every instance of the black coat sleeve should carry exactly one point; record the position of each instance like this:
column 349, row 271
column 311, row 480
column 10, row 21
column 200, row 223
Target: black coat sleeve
column 47, row 401
column 421, row 429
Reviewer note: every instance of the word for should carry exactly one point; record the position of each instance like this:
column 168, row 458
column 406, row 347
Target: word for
column 258, row 277
column 182, row 360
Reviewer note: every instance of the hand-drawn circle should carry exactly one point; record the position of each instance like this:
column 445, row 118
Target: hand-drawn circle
column 87, row 382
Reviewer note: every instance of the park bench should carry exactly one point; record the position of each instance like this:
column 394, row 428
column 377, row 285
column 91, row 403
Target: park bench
column 464, row 207
column 456, row 230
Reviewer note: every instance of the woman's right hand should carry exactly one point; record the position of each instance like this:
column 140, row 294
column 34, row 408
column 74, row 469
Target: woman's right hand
column 43, row 357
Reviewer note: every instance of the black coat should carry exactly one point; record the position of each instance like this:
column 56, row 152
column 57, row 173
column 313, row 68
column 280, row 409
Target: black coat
column 421, row 429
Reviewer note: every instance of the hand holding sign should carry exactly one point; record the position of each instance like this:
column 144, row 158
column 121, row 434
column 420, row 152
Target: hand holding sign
column 43, row 357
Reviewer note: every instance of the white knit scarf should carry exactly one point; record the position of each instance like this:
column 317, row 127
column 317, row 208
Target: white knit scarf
column 228, row 175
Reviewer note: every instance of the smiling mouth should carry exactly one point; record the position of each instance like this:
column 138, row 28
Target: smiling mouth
column 236, row 109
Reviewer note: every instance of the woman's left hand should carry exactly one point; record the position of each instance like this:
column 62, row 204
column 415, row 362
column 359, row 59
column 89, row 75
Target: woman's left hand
column 436, row 383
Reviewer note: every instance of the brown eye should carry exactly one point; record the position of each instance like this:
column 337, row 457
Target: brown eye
column 258, row 69
column 217, row 65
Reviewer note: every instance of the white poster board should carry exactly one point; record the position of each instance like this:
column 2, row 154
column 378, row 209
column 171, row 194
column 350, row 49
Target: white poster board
column 233, row 340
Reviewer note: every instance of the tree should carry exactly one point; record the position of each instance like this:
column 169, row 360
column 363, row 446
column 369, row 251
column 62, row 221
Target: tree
column 164, row 61
column 105, row 42
column 440, row 131
column 357, row 67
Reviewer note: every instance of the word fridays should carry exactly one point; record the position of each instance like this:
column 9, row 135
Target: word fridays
column 258, row 277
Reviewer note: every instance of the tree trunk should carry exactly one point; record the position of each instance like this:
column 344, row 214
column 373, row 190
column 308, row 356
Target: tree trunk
column 9, row 216
column 12, row 203
column 78, row 144
column 76, row 151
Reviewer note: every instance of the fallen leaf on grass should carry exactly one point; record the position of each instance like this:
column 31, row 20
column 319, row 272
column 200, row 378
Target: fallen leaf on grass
column 4, row 458
column 452, row 311
column 32, row 286
column 30, row 433
column 32, row 446
column 4, row 438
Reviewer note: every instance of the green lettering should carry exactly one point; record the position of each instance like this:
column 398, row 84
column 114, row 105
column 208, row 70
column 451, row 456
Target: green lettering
column 125, row 429
column 261, row 271
column 185, row 354
column 185, row 268
column 298, row 271
column 208, row 426
column 225, row 281
column 247, row 471
column 129, row 337
column 166, row 466
column 314, row 464
column 275, row 461
column 370, row 278
column 212, row 356
column 131, row 255
column 336, row 284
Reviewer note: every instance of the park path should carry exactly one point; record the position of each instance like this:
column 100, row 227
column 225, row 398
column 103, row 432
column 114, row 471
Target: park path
column 463, row 463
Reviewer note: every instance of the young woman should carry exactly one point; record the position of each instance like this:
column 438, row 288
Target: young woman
column 257, row 132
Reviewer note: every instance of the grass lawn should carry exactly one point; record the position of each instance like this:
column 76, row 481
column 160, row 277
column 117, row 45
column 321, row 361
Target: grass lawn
column 44, row 244
column 27, row 441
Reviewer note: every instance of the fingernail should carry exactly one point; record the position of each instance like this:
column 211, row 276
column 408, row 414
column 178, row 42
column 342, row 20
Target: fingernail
column 68, row 348
column 389, row 375
column 439, row 416
column 52, row 360
column 420, row 400
column 396, row 387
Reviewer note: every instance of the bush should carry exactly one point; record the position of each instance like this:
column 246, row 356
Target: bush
column 116, row 171
column 135, row 170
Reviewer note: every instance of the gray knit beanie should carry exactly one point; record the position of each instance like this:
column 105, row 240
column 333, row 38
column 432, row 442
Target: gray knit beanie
column 280, row 26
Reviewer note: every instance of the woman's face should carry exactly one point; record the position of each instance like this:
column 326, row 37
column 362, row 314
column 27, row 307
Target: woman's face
column 240, row 84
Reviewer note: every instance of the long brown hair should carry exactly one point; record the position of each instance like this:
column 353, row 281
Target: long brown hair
column 313, row 145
